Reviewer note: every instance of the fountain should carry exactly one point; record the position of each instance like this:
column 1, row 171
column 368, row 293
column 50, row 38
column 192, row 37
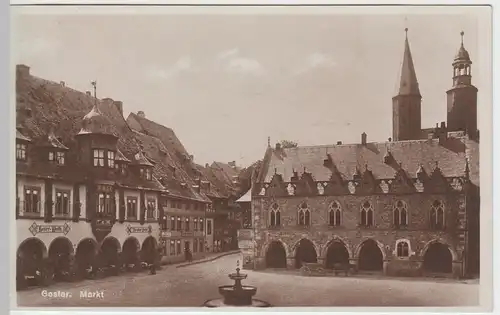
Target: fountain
column 236, row 294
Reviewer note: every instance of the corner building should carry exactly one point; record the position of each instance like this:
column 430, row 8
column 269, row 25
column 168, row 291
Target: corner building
column 405, row 207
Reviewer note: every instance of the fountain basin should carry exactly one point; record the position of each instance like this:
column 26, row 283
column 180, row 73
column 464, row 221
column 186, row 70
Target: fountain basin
column 237, row 296
column 220, row 303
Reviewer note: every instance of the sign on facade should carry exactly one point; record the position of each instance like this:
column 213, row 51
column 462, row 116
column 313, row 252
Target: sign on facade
column 139, row 229
column 37, row 228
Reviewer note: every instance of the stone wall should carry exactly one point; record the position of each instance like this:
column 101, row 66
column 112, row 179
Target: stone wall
column 418, row 233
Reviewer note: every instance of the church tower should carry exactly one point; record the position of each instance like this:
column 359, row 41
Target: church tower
column 462, row 97
column 406, row 116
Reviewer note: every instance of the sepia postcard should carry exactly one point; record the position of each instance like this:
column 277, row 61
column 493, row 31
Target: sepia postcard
column 252, row 157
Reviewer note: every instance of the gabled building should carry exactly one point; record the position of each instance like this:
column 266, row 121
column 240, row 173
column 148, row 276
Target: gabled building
column 86, row 194
column 407, row 206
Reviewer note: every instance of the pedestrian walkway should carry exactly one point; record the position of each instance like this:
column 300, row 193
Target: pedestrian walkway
column 210, row 257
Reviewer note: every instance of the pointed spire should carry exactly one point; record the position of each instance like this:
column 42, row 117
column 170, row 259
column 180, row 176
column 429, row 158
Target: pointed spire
column 408, row 84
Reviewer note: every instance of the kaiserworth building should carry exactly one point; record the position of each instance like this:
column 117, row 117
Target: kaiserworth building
column 96, row 191
column 407, row 206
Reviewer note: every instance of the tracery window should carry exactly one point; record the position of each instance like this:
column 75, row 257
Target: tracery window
column 400, row 214
column 275, row 215
column 437, row 215
column 334, row 214
column 367, row 214
column 304, row 215
column 402, row 249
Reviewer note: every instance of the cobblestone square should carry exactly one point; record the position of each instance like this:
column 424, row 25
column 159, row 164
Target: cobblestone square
column 191, row 286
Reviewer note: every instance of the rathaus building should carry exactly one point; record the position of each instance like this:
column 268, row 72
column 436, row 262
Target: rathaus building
column 408, row 206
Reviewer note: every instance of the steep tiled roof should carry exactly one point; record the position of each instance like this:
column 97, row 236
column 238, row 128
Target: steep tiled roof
column 20, row 136
column 165, row 134
column 169, row 171
column 45, row 107
column 450, row 156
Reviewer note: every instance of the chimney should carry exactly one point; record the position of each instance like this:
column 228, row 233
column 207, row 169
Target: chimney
column 191, row 157
column 363, row 138
column 119, row 105
column 22, row 71
column 339, row 142
column 278, row 146
column 443, row 133
column 88, row 93
column 389, row 139
column 62, row 83
column 206, row 165
column 141, row 114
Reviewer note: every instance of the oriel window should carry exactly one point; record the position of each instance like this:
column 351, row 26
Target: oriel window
column 98, row 157
column 62, row 203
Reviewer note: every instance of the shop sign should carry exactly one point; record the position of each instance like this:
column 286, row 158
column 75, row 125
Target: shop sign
column 139, row 229
column 39, row 229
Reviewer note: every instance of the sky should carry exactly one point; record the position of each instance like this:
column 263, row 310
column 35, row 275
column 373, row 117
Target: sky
column 226, row 82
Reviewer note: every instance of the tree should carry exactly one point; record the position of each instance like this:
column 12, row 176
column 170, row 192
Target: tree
column 288, row 144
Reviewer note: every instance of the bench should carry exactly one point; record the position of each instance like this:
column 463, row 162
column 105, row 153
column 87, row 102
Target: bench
column 313, row 269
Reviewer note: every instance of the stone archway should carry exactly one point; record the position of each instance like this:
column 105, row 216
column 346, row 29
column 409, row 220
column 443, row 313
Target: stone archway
column 370, row 256
column 305, row 252
column 276, row 255
column 438, row 258
column 148, row 250
column 61, row 257
column 109, row 253
column 29, row 262
column 130, row 251
column 86, row 253
column 336, row 253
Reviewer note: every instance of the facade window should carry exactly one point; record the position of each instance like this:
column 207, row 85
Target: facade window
column 132, row 208
column 105, row 203
column 304, row 215
column 172, row 248
column 62, row 203
column 202, row 227
column 60, row 158
column 123, row 168
column 275, row 215
column 403, row 249
column 367, row 214
column 150, row 208
column 195, row 246
column 52, row 156
column 400, row 213
column 32, row 200
column 437, row 215
column 209, row 227
column 179, row 247
column 148, row 174
column 188, row 226
column 172, row 223
column 20, row 152
column 98, row 157
column 179, row 224
column 111, row 159
column 334, row 214
column 195, row 224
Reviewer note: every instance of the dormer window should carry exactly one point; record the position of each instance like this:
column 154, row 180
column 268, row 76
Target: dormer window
column 21, row 152
column 148, row 174
column 52, row 157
